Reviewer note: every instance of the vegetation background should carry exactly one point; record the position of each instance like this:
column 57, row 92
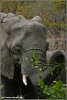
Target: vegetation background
column 53, row 14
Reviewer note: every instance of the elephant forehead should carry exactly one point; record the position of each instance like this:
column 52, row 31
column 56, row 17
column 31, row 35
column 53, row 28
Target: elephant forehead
column 30, row 24
column 27, row 28
column 27, row 24
column 21, row 31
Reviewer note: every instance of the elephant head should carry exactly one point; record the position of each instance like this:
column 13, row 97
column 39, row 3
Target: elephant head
column 19, row 38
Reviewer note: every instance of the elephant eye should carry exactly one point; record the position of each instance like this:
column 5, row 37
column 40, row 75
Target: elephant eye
column 16, row 50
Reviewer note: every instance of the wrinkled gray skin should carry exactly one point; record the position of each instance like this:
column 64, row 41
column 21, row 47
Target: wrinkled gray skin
column 19, row 37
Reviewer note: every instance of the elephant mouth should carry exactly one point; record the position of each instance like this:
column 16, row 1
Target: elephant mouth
column 33, row 76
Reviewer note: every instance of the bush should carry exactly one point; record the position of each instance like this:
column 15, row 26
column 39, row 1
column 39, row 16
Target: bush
column 57, row 91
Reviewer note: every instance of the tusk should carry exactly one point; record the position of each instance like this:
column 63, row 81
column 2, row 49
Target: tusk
column 24, row 79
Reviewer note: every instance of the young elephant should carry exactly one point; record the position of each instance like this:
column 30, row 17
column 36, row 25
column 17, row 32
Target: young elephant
column 20, row 37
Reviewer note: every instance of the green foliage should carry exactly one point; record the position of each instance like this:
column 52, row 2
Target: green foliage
column 58, row 24
column 57, row 91
column 1, row 86
column 33, row 60
column 21, row 59
column 57, row 66
column 60, row 5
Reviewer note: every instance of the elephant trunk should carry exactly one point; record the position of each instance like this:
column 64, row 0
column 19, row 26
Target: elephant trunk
column 30, row 70
column 53, row 58
column 56, row 55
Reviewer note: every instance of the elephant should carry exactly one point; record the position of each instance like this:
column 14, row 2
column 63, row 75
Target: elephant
column 19, row 38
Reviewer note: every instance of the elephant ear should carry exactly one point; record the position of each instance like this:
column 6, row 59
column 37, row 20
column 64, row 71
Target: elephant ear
column 55, row 57
column 37, row 19
column 7, row 21
column 7, row 67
